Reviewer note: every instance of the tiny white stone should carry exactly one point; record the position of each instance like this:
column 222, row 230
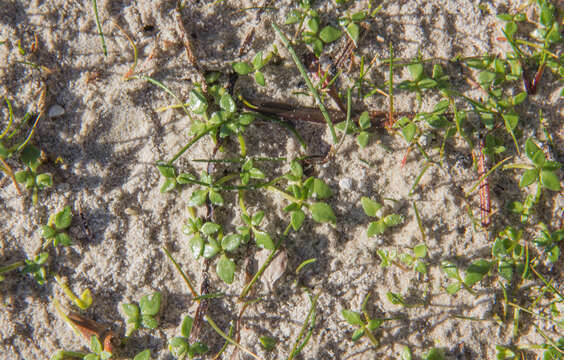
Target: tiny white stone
column 345, row 184
column 56, row 111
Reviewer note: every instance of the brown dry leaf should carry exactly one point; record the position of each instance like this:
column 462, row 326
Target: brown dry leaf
column 275, row 270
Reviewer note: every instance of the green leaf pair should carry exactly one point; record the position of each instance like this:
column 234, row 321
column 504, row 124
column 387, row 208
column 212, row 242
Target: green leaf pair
column 180, row 347
column 372, row 209
column 54, row 230
column 143, row 314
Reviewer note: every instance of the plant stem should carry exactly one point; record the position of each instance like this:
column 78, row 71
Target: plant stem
column 303, row 72
column 192, row 142
column 11, row 267
column 224, row 335
column 310, row 322
column 183, row 274
column 95, row 6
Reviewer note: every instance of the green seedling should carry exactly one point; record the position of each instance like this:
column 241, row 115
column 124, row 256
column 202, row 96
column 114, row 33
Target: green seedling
column 373, row 209
column 300, row 192
column 316, row 37
column 85, row 299
column 420, row 81
column 350, row 25
column 243, row 68
column 142, row 314
column 510, row 255
column 34, row 266
column 474, row 273
column 30, row 156
column 414, row 261
column 365, row 327
column 180, row 347
column 98, row 352
column 208, row 241
column 396, row 299
column 249, row 171
column 199, row 197
column 54, row 230
column 267, row 343
column 541, row 172
column 363, row 136
column 143, row 355
column 434, row 354
column 506, row 353
column 549, row 242
column 252, row 223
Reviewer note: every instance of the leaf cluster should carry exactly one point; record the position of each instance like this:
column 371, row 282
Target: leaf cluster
column 180, row 347
column 142, row 314
column 54, row 230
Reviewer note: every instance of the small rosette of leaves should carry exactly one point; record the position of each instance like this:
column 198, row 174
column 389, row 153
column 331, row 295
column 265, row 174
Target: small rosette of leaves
column 364, row 327
column 180, row 347
column 378, row 227
column 199, row 197
column 415, row 261
column 143, row 314
column 54, row 230
column 259, row 61
column 208, row 241
column 301, row 191
column 36, row 267
column 33, row 181
column 316, row 36
column 474, row 273
column 549, row 242
column 351, row 25
column 509, row 253
column 542, row 171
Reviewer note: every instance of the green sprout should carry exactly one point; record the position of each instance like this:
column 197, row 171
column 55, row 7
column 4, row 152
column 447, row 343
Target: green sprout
column 474, row 273
column 243, row 68
column 351, row 27
column 373, row 209
column 98, row 352
column 180, row 347
column 365, row 327
column 363, row 136
column 54, row 230
column 549, row 242
column 34, row 266
column 142, row 314
column 85, row 299
column 509, row 253
column 30, row 156
column 303, row 190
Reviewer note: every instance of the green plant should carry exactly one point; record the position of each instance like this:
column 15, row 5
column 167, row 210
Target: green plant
column 243, row 68
column 98, row 352
column 30, row 156
column 267, row 343
column 313, row 35
column 54, row 230
column 351, row 26
column 302, row 192
column 180, row 347
column 548, row 242
column 364, row 124
column 373, row 209
column 35, row 266
column 474, row 273
column 509, row 253
column 414, row 261
column 364, row 327
column 142, row 314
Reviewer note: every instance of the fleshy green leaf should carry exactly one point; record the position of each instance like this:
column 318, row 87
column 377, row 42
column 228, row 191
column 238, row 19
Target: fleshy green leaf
column 298, row 217
column 197, row 102
column 210, row 228
column 259, row 78
column 62, row 239
column 47, row 232
column 267, row 343
column 150, row 303
column 376, row 228
column 242, row 68
column 225, row 269
column 143, row 355
column 416, row 71
column 529, row 176
column 149, row 322
column 63, row 218
column 322, row 213
column 549, row 180
column 263, row 240
column 231, row 242
column 321, row 190
column 186, row 327
column 352, row 317
column 178, row 347
column 131, row 310
column 363, row 138
column 370, row 206
column 476, row 271
column 198, row 198
column 354, row 31
column 226, row 103
column 329, row 34
column 197, row 246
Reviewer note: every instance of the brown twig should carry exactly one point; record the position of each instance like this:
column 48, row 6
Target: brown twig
column 10, row 173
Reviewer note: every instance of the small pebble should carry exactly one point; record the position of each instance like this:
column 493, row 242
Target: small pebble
column 56, row 111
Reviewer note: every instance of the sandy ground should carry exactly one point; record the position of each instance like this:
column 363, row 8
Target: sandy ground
column 111, row 135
